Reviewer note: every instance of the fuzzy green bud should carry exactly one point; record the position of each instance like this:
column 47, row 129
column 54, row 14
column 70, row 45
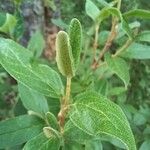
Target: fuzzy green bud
column 64, row 56
column 75, row 35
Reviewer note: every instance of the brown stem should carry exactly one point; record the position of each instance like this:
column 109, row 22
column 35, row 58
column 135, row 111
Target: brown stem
column 64, row 105
column 95, row 45
column 119, row 51
column 110, row 39
column 108, row 43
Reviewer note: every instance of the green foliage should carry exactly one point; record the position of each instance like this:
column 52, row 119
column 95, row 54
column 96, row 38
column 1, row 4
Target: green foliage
column 94, row 145
column 120, row 68
column 91, row 10
column 36, row 43
column 143, row 14
column 137, row 51
column 19, row 27
column 145, row 145
column 50, row 3
column 19, row 64
column 95, row 110
column 9, row 24
column 32, row 100
column 43, row 143
column 103, row 3
column 2, row 18
column 106, row 12
column 97, row 116
column 60, row 23
column 144, row 36
column 19, row 130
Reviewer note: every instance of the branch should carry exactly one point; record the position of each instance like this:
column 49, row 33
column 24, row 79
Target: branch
column 108, row 43
column 64, row 105
column 111, row 37
column 119, row 51
column 95, row 45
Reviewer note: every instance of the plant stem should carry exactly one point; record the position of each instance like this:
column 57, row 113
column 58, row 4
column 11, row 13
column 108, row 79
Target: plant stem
column 68, row 90
column 126, row 45
column 119, row 4
column 119, row 51
column 64, row 105
column 95, row 42
column 108, row 43
column 111, row 37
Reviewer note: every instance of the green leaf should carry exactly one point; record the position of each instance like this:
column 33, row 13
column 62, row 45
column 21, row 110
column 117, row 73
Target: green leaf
column 17, row 61
column 54, row 105
column 32, row 100
column 50, row 4
column 42, row 143
column 74, row 134
column 139, row 119
column 93, row 145
column 19, row 27
column 19, row 130
column 36, row 43
column 107, row 11
column 52, row 121
column 145, row 145
column 17, row 2
column 64, row 56
column 103, row 35
column 140, row 13
column 91, row 10
column 121, row 33
column 60, row 23
column 97, row 116
column 113, row 141
column 9, row 24
column 143, row 36
column 2, row 18
column 101, row 86
column 120, row 68
column 137, row 51
column 116, row 91
column 103, row 3
column 73, row 146
column 75, row 35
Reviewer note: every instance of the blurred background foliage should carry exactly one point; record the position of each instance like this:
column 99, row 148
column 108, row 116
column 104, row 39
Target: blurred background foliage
column 40, row 21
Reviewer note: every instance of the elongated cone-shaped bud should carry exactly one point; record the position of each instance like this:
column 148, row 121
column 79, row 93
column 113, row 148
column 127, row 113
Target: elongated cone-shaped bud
column 64, row 56
column 75, row 35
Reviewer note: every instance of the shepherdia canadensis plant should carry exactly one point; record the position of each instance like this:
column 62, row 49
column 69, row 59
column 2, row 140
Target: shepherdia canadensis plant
column 84, row 119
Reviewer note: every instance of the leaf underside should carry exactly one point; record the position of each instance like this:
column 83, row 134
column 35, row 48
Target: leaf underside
column 17, row 61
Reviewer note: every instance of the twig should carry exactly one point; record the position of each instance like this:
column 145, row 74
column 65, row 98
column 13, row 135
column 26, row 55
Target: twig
column 119, row 51
column 108, row 43
column 126, row 45
column 95, row 45
column 110, row 38
column 64, row 105
column 68, row 89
